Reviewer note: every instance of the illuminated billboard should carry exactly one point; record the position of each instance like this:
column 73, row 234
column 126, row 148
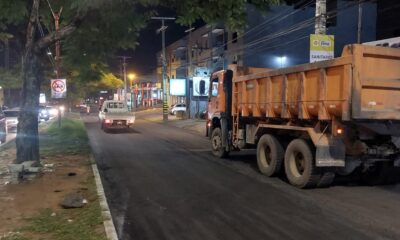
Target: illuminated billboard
column 177, row 87
column 201, row 86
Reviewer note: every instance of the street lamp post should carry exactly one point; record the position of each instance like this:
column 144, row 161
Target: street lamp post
column 164, row 63
column 124, row 74
column 131, row 76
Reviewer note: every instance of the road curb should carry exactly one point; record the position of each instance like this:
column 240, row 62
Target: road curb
column 105, row 210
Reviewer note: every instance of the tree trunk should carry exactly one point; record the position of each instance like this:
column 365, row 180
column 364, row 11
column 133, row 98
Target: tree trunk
column 28, row 135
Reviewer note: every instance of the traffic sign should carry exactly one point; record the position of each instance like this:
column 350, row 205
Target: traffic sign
column 58, row 88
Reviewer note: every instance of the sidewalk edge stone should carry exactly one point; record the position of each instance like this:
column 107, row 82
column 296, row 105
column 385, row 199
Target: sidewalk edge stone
column 105, row 210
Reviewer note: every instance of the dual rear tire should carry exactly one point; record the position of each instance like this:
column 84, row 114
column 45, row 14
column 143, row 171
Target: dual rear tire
column 298, row 161
column 300, row 166
column 269, row 155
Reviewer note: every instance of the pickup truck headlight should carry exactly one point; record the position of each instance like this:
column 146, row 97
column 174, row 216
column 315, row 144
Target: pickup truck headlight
column 131, row 121
column 107, row 121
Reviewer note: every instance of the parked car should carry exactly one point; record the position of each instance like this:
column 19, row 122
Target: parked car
column 12, row 119
column 44, row 114
column 3, row 127
column 177, row 107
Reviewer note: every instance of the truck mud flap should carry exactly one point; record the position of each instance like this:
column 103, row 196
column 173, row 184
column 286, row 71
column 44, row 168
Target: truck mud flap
column 330, row 152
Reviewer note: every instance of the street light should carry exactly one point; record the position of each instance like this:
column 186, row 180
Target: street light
column 131, row 76
column 281, row 61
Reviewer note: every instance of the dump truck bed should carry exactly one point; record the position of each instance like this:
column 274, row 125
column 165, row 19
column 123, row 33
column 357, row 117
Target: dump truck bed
column 362, row 84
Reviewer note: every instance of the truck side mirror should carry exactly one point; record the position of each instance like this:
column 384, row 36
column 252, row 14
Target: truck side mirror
column 105, row 110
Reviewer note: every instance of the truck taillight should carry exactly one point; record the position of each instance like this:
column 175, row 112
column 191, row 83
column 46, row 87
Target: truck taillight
column 107, row 121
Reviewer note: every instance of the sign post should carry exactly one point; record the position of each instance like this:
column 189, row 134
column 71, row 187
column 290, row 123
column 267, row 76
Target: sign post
column 58, row 90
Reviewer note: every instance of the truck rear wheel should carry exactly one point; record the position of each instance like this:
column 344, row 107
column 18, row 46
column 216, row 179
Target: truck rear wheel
column 299, row 165
column 269, row 155
column 216, row 144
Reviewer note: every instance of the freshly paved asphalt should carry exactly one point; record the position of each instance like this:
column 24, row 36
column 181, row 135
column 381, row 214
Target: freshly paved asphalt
column 161, row 182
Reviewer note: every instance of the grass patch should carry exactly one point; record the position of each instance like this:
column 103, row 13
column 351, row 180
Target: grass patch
column 14, row 236
column 77, row 224
column 69, row 138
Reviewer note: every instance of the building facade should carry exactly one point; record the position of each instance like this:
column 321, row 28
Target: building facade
column 275, row 39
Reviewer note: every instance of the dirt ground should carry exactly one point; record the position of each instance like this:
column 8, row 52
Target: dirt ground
column 18, row 202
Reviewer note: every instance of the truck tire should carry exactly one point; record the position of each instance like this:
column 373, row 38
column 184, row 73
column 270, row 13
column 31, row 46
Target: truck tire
column 103, row 127
column 299, row 165
column 270, row 155
column 216, row 144
column 326, row 179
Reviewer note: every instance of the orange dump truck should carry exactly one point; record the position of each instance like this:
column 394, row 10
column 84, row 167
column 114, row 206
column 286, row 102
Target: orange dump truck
column 313, row 120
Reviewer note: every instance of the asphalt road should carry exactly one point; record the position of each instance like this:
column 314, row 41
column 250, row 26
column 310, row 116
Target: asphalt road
column 162, row 182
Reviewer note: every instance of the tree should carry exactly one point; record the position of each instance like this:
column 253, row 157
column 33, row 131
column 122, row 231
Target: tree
column 90, row 32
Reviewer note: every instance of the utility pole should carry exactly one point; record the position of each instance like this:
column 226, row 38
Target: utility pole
column 124, row 74
column 164, row 63
column 320, row 17
column 359, row 26
column 190, row 71
column 211, row 47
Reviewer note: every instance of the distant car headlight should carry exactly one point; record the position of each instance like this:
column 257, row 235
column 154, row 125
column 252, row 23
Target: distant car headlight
column 53, row 111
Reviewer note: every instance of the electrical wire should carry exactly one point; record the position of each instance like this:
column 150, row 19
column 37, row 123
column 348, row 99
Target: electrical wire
column 275, row 19
column 251, row 46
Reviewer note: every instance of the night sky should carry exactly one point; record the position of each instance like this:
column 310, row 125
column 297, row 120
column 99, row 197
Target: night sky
column 143, row 59
column 144, row 56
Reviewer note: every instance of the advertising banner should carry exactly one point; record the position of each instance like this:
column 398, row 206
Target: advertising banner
column 42, row 98
column 177, row 87
column 201, row 86
column 321, row 47
column 58, row 88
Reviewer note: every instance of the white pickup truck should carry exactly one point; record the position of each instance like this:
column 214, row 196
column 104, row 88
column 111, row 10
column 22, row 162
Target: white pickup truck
column 115, row 114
